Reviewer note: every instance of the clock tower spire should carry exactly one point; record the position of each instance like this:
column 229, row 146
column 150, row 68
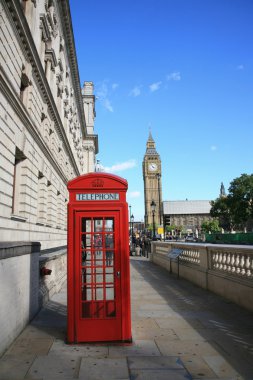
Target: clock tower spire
column 152, row 172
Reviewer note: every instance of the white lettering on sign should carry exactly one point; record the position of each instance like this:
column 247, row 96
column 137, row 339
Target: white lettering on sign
column 98, row 197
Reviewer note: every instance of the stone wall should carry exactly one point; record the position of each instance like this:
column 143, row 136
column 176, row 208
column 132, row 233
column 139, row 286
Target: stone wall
column 226, row 270
column 24, row 287
column 19, row 288
column 49, row 284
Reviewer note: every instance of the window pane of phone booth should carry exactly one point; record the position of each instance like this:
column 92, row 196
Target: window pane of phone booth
column 109, row 224
column 97, row 268
column 86, row 225
column 98, row 225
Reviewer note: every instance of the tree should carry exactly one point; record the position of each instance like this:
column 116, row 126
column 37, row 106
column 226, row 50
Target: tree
column 210, row 225
column 236, row 209
column 240, row 199
column 220, row 209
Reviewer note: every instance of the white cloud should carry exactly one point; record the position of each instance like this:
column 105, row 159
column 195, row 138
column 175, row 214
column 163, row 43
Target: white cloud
column 103, row 96
column 134, row 194
column 120, row 166
column 174, row 76
column 136, row 91
column 240, row 67
column 115, row 85
column 155, row 86
column 107, row 104
column 102, row 90
column 213, row 148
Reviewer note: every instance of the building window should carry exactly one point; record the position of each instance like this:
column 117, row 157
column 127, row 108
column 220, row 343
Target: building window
column 17, row 181
column 23, row 85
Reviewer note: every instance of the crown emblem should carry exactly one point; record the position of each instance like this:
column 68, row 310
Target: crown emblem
column 97, row 183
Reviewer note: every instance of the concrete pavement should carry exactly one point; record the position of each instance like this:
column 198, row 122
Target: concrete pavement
column 179, row 332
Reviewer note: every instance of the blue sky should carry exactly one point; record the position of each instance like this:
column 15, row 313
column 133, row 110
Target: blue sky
column 183, row 68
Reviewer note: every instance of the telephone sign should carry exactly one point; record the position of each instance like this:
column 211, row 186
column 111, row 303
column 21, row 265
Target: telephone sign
column 98, row 260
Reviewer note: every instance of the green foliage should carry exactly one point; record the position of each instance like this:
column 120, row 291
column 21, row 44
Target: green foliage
column 173, row 227
column 237, row 208
column 210, row 225
column 220, row 209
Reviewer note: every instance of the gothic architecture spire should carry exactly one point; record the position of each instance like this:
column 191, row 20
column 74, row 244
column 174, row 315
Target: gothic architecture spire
column 222, row 191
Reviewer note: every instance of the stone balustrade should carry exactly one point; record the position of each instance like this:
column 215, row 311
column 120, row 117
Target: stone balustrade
column 224, row 269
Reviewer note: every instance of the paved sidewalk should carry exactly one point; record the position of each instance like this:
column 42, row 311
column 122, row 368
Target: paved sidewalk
column 179, row 332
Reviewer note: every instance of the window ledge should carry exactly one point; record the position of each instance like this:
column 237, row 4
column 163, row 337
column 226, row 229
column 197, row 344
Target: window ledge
column 18, row 218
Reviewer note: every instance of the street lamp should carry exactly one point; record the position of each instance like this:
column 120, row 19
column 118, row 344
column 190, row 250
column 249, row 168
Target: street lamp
column 158, row 176
column 153, row 206
column 132, row 226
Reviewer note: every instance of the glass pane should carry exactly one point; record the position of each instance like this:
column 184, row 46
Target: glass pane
column 98, row 243
column 86, row 225
column 86, row 241
column 99, row 293
column 109, row 225
column 98, row 225
column 109, row 293
column 84, row 257
column 109, row 245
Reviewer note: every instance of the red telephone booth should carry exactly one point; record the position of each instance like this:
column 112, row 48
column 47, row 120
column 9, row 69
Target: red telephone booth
column 98, row 260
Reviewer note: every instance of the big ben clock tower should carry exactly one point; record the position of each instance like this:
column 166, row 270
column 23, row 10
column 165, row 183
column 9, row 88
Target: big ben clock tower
column 152, row 172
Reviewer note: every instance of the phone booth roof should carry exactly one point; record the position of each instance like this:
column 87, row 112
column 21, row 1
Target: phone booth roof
column 97, row 182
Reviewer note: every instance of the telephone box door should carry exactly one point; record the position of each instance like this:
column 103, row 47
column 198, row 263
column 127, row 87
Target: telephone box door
column 97, row 265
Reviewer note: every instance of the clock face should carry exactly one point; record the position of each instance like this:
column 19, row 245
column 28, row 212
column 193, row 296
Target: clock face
column 152, row 167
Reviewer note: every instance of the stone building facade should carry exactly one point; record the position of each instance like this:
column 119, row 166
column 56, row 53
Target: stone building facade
column 46, row 120
column 188, row 214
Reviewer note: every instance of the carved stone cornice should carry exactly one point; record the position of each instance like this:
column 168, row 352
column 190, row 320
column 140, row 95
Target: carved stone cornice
column 94, row 139
column 7, row 89
column 44, row 27
column 26, row 41
column 50, row 55
column 70, row 48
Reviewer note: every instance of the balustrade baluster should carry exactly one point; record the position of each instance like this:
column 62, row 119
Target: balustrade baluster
column 247, row 266
column 237, row 263
column 242, row 265
column 224, row 261
column 228, row 263
column 220, row 261
column 216, row 255
column 233, row 263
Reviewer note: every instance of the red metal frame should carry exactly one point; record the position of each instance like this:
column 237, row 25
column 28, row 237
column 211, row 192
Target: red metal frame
column 98, row 260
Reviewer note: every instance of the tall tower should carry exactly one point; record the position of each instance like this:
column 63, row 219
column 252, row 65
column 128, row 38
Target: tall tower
column 90, row 143
column 222, row 191
column 152, row 173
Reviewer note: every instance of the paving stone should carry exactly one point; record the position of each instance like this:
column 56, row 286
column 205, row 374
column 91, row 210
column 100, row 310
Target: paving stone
column 15, row 367
column 64, row 367
column 191, row 333
column 220, row 366
column 37, row 346
column 182, row 348
column 197, row 367
column 178, row 323
column 156, row 362
column 104, row 369
column 59, row 347
column 146, row 333
column 34, row 332
column 160, row 374
column 155, row 313
column 139, row 347
column 145, row 323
